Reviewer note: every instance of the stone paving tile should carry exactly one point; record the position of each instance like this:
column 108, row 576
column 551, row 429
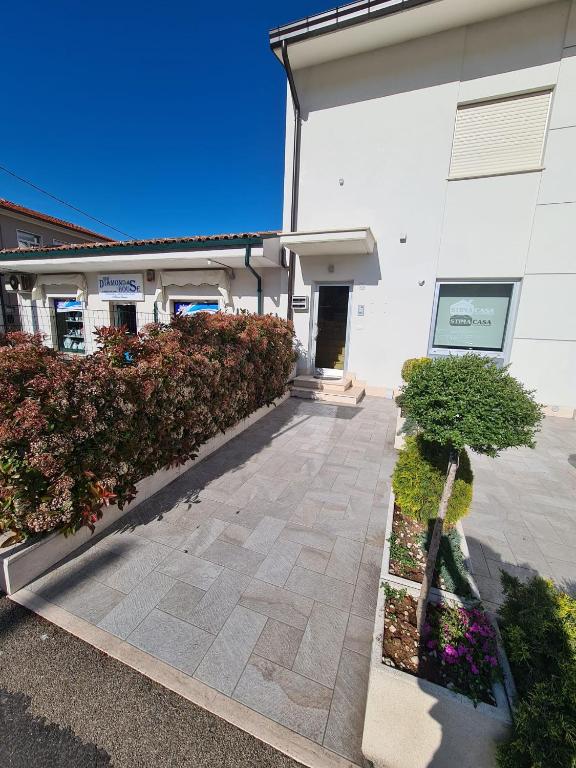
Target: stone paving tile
column 306, row 512
column 191, row 569
column 284, row 696
column 162, row 532
column 224, row 662
column 265, row 534
column 277, row 603
column 137, row 566
column 279, row 643
column 319, row 653
column 129, row 612
column 172, row 640
column 324, row 589
column 313, row 559
column 358, row 636
column 345, row 560
column 181, row 600
column 213, row 610
column 238, row 558
column 235, row 534
column 199, row 540
column 88, row 599
column 346, row 720
column 278, row 565
column 366, row 591
column 308, row 537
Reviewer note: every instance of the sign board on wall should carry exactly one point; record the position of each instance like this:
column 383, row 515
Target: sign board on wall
column 114, row 287
column 186, row 308
column 472, row 316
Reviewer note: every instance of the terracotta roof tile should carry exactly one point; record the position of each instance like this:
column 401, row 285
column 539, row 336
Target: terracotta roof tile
column 135, row 244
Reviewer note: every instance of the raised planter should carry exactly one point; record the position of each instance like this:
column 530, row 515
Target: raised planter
column 22, row 563
column 399, row 437
column 400, row 582
column 413, row 723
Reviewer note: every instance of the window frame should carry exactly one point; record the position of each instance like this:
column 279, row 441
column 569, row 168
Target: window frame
column 502, row 356
column 38, row 237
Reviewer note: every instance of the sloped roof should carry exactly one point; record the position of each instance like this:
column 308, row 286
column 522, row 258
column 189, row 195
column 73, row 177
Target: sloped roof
column 8, row 205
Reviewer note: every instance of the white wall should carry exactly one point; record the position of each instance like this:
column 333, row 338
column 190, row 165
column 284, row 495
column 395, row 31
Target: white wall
column 39, row 316
column 383, row 122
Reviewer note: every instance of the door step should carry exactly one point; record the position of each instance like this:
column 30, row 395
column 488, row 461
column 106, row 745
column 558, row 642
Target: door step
column 350, row 395
column 324, row 385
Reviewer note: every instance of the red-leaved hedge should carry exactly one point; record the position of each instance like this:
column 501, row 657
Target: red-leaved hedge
column 77, row 434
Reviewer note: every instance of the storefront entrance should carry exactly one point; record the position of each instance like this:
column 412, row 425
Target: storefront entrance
column 331, row 329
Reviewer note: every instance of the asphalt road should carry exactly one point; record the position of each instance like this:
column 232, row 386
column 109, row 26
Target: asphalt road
column 64, row 704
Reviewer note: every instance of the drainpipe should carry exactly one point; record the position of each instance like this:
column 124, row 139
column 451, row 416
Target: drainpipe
column 295, row 172
column 256, row 275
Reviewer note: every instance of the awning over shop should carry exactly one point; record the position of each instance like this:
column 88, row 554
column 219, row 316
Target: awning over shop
column 330, row 242
column 217, row 277
column 76, row 279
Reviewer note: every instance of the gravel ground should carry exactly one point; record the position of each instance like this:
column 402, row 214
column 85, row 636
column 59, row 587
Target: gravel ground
column 64, row 704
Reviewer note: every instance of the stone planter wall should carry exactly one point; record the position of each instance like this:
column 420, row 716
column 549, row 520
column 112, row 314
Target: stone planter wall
column 413, row 723
column 401, row 582
column 22, row 563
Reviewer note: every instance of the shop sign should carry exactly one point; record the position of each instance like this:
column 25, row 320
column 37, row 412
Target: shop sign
column 114, row 287
column 475, row 319
column 185, row 308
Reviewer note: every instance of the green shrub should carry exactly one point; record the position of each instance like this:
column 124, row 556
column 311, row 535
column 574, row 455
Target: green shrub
column 469, row 401
column 413, row 365
column 538, row 624
column 418, row 480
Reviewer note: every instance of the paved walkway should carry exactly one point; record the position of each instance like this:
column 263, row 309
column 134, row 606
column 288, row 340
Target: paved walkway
column 523, row 517
column 256, row 572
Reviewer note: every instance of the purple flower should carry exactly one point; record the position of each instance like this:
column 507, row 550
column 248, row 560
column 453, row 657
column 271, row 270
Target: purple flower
column 474, row 669
column 431, row 644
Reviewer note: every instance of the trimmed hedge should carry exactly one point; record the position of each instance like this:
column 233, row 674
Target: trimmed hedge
column 418, row 481
column 77, row 433
column 538, row 623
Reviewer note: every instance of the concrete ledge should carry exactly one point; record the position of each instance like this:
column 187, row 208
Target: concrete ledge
column 22, row 563
column 412, row 723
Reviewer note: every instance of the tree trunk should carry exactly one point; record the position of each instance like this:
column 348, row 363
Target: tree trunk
column 435, row 540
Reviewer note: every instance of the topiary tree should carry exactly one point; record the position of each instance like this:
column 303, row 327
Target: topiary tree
column 418, row 481
column 466, row 401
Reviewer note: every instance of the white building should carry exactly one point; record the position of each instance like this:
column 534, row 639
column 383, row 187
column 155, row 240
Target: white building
column 430, row 201
column 447, row 131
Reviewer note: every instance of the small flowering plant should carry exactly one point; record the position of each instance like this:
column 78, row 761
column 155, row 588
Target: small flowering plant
column 463, row 642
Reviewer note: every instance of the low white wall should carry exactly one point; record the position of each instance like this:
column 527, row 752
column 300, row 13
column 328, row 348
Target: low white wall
column 22, row 563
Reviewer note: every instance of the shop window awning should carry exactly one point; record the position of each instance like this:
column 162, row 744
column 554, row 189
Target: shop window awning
column 358, row 241
column 218, row 277
column 76, row 279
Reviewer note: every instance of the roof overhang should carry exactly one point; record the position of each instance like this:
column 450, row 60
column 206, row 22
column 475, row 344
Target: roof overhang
column 357, row 241
column 368, row 24
column 215, row 258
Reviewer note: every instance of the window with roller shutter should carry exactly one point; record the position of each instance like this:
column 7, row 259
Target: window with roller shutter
column 500, row 136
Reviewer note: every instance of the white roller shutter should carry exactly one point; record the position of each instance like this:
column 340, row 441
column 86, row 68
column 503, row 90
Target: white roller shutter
column 500, row 136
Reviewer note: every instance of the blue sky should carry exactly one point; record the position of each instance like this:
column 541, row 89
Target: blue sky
column 163, row 119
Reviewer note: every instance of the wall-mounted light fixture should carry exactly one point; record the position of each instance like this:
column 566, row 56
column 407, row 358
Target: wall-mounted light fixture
column 150, row 275
column 330, row 268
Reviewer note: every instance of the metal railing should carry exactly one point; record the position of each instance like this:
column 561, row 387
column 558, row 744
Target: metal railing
column 73, row 330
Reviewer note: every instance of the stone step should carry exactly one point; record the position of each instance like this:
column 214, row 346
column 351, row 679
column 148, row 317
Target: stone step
column 350, row 396
column 324, row 385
